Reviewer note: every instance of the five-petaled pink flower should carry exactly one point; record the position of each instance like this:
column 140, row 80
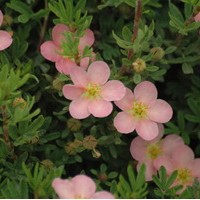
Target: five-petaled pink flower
column 53, row 50
column 147, row 152
column 5, row 37
column 79, row 187
column 181, row 159
column 91, row 93
column 142, row 111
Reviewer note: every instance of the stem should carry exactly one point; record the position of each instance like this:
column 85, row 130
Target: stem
column 138, row 14
column 44, row 26
column 5, row 127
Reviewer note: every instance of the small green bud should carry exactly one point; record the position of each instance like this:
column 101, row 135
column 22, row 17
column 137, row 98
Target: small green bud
column 158, row 53
column 73, row 124
column 139, row 65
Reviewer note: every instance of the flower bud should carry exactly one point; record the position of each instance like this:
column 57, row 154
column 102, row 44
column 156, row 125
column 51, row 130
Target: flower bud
column 89, row 142
column 57, row 84
column 7, row 20
column 139, row 65
column 158, row 53
column 47, row 163
column 72, row 148
column 73, row 124
column 19, row 102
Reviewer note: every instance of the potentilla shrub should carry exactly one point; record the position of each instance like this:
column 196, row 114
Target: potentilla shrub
column 99, row 99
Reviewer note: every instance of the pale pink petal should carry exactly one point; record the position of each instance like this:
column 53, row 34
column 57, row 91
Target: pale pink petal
column 58, row 33
column 86, row 40
column 84, row 62
column 164, row 161
column 160, row 134
column 84, row 186
column 100, row 108
column 5, row 40
column 124, row 123
column 148, row 130
column 160, row 111
column 127, row 101
column 195, row 168
column 79, row 76
column 99, row 72
column 79, row 108
column 63, row 188
column 50, row 51
column 113, row 91
column 65, row 65
column 72, row 92
column 138, row 148
column 170, row 142
column 150, row 170
column 197, row 17
column 145, row 92
column 103, row 195
column 182, row 155
column 1, row 18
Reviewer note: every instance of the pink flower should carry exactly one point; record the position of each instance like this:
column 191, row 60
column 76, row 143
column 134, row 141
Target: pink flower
column 5, row 37
column 148, row 152
column 79, row 187
column 91, row 93
column 53, row 50
column 181, row 159
column 142, row 111
column 197, row 17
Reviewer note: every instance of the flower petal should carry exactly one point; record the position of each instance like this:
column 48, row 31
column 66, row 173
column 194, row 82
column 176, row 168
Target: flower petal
column 1, row 17
column 84, row 186
column 127, row 101
column 170, row 142
column 145, row 92
column 72, row 92
column 138, row 148
column 99, row 72
column 6, row 40
column 84, row 62
column 100, row 108
column 58, row 33
column 79, row 108
column 197, row 17
column 182, row 156
column 103, row 195
column 86, row 40
column 65, row 65
column 148, row 130
column 79, row 77
column 160, row 111
column 113, row 90
column 124, row 123
column 50, row 51
column 150, row 170
column 63, row 188
column 195, row 166
column 164, row 161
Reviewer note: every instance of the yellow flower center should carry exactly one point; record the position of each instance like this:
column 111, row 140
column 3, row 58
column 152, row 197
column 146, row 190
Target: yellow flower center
column 139, row 110
column 92, row 91
column 153, row 151
column 184, row 176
